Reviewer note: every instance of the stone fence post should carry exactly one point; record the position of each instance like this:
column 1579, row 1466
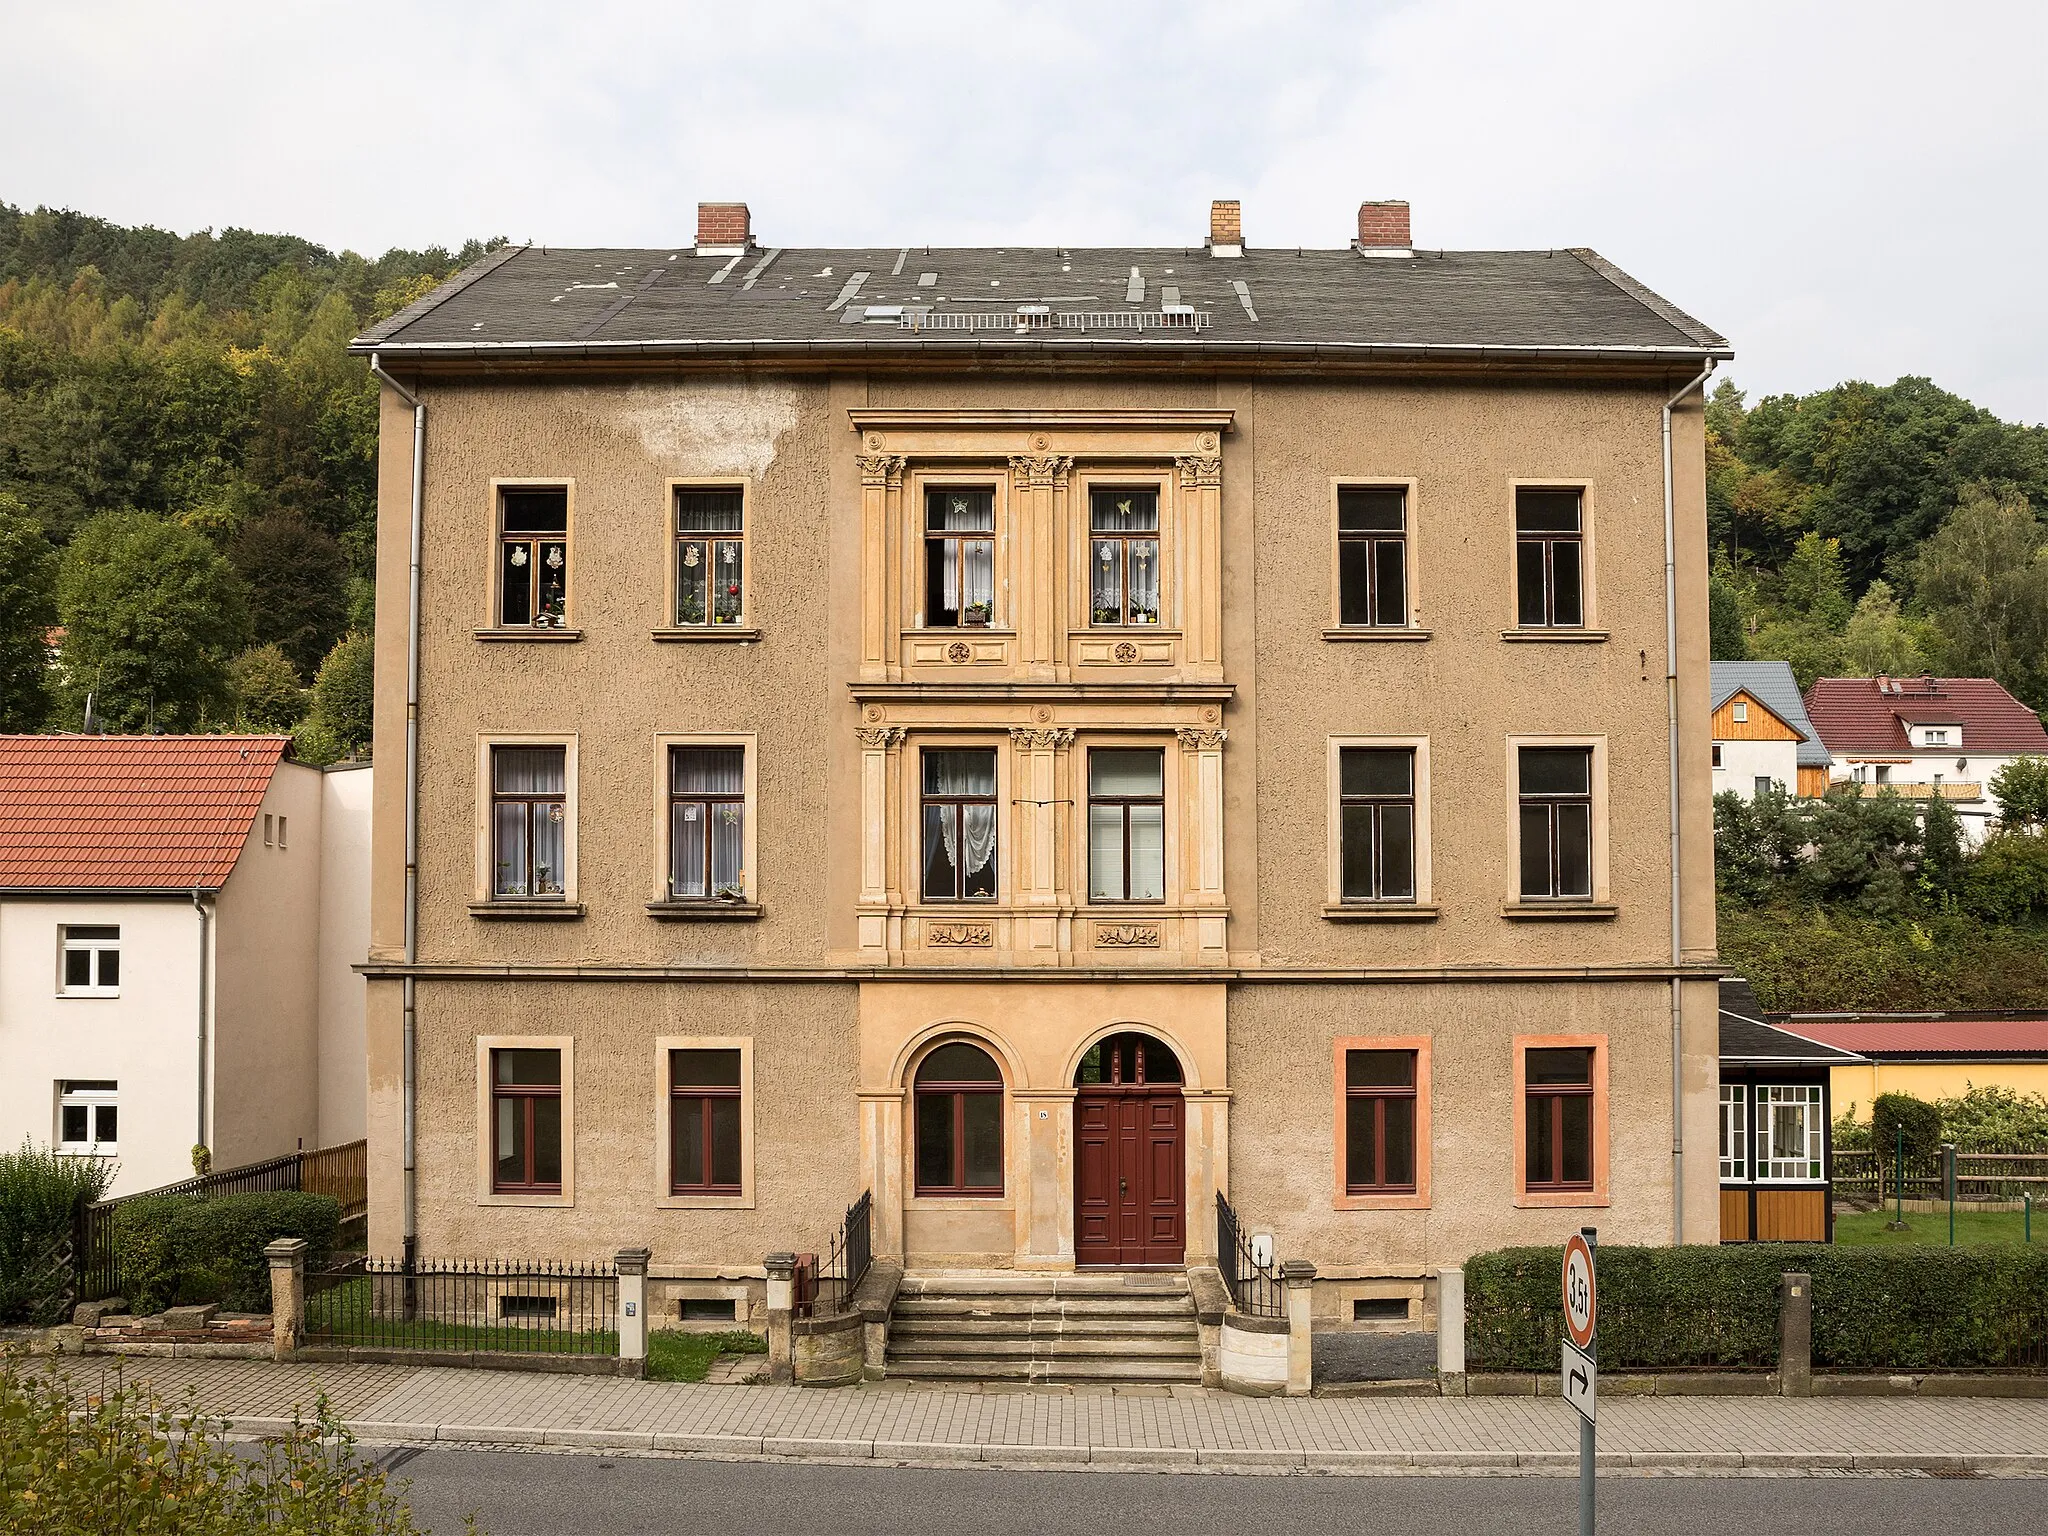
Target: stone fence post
column 1450, row 1332
column 1298, row 1276
column 287, row 1258
column 1795, row 1335
column 631, row 1266
column 781, row 1310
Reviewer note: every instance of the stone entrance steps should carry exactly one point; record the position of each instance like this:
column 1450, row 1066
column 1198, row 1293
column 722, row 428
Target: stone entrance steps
column 1125, row 1326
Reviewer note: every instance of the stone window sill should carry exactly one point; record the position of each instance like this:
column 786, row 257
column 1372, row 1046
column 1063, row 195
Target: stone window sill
column 529, row 636
column 1367, row 632
column 688, row 633
column 704, row 912
column 1559, row 911
column 1380, row 912
column 528, row 911
column 1558, row 636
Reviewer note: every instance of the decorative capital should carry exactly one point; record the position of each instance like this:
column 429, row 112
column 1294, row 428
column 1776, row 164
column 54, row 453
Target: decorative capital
column 1202, row 738
column 1041, row 738
column 879, row 737
column 1199, row 471
column 1041, row 468
column 881, row 468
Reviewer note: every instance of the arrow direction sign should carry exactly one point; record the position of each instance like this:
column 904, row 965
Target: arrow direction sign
column 1581, row 1382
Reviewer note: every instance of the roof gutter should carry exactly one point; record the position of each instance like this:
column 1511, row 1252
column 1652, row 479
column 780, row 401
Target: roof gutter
column 1671, row 752
column 408, row 1009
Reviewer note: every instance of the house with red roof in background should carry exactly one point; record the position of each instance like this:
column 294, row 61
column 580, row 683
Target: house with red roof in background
column 179, row 921
column 1925, row 736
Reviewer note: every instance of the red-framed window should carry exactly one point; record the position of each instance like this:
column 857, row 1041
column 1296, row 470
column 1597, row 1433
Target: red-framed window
column 959, row 1122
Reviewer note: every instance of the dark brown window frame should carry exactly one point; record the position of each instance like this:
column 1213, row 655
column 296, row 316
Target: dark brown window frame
column 527, row 1095
column 1124, row 538
column 534, row 545
column 1546, row 542
column 677, row 1094
column 951, row 546
column 957, row 803
column 530, row 799
column 1552, row 1096
column 1377, row 802
column 1124, row 803
column 1550, row 803
column 709, row 800
column 959, row 1092
column 1379, row 1094
column 710, row 539
column 1372, row 539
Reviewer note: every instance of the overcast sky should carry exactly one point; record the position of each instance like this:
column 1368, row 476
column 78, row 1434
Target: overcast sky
column 1845, row 190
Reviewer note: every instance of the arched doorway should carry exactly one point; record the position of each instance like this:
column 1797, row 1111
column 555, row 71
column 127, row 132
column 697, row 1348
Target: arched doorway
column 1129, row 1176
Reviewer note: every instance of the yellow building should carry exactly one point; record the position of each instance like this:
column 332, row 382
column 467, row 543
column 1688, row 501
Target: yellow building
column 1929, row 1055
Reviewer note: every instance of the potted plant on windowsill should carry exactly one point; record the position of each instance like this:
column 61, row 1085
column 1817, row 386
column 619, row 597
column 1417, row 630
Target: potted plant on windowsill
column 976, row 614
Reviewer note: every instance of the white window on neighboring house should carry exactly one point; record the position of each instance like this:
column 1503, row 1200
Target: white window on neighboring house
column 1741, row 712
column 1937, row 738
column 1765, row 783
column 90, row 960
column 1789, row 1131
column 1734, row 1131
column 88, row 1117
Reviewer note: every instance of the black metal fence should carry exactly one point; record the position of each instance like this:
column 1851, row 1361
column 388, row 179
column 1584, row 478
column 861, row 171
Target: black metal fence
column 1255, row 1287
column 342, row 1172
column 845, row 1263
column 466, row 1306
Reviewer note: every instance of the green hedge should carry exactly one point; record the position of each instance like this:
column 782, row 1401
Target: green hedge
column 1699, row 1307
column 40, row 1193
column 181, row 1248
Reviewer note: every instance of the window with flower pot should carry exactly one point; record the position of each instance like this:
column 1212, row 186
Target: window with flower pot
column 533, row 557
column 710, row 555
column 959, row 1122
column 529, row 822
column 1123, row 557
column 959, row 816
column 707, row 820
column 959, row 558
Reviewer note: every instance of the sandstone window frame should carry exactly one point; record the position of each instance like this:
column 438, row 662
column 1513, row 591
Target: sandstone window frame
column 1125, row 804
column 1418, row 1198
column 1594, row 1195
column 483, row 900
column 666, row 1197
column 921, row 798
column 1409, row 627
column 933, row 483
column 1423, row 907
column 663, row 903
column 488, row 1194
column 1156, row 477
column 1600, row 904
column 670, row 626
column 923, row 475
column 497, row 537
column 1587, row 629
column 1126, row 541
column 1178, row 782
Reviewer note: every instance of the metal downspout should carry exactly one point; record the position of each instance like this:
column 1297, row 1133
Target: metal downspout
column 1671, row 753
column 199, row 1138
column 412, row 815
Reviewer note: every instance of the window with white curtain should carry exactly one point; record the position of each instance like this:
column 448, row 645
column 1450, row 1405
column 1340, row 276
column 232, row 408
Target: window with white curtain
column 1734, row 1132
column 707, row 823
column 959, row 802
column 1126, row 824
column 1789, row 1131
column 529, row 806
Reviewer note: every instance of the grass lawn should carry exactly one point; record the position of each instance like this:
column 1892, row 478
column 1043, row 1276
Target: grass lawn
column 1867, row 1227
column 676, row 1356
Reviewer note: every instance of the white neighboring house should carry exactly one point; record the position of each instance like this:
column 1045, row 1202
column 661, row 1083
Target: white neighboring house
column 1760, row 732
column 1925, row 736
column 179, row 921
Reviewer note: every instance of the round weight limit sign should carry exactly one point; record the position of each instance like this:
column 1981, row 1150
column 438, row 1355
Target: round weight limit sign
column 1579, row 1298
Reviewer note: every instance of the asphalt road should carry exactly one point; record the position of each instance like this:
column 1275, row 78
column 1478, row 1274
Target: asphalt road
column 540, row 1494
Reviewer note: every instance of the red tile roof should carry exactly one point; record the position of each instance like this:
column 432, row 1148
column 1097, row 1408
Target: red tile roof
column 129, row 812
column 1852, row 714
column 1947, row 1035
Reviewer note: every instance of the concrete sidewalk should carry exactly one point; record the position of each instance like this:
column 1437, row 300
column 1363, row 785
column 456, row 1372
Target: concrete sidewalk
column 1161, row 1427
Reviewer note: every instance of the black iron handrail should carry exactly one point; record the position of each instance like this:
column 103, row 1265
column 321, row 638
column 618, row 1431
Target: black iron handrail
column 1255, row 1288
column 846, row 1261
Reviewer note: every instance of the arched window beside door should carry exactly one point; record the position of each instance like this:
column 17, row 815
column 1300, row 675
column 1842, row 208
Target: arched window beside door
column 959, row 1122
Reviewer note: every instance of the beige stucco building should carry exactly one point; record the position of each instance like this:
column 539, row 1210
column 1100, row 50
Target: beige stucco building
column 1046, row 737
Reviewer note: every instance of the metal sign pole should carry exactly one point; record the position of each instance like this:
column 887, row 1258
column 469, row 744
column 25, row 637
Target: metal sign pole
column 1587, row 1446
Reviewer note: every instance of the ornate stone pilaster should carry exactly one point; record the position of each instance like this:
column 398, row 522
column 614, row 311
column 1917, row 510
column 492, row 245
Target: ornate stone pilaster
column 881, row 498
column 1201, row 504
column 1038, row 485
column 881, row 469
column 878, row 743
column 1035, row 773
column 1203, row 749
column 1199, row 471
column 1041, row 469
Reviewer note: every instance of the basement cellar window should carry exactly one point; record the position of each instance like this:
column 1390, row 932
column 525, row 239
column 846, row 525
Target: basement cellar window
column 1380, row 1309
column 707, row 1309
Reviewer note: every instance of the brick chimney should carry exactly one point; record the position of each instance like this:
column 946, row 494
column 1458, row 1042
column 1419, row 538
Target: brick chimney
column 724, row 229
column 1226, row 228
column 1383, row 230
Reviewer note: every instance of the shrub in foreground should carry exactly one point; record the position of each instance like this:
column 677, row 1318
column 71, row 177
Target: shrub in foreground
column 40, row 1191
column 182, row 1248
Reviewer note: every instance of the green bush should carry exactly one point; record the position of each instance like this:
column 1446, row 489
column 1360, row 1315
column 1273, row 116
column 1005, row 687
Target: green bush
column 1905, row 1308
column 2007, row 881
column 1891, row 1113
column 1802, row 956
column 40, row 1193
column 1994, row 1118
column 184, row 1248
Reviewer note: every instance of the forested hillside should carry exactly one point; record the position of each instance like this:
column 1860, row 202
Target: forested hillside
column 187, row 475
column 1879, row 528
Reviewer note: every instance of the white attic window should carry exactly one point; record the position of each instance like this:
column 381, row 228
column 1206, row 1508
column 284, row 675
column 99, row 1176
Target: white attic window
column 1741, row 714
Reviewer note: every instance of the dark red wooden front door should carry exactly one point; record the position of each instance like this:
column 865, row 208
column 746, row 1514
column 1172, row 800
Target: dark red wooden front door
column 1128, row 1180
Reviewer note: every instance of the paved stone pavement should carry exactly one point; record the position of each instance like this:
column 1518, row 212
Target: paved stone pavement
column 1129, row 1426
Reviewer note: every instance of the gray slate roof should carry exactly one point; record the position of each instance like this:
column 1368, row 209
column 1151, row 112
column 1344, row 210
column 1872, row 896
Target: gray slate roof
column 1772, row 685
column 1747, row 1040
column 527, row 301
